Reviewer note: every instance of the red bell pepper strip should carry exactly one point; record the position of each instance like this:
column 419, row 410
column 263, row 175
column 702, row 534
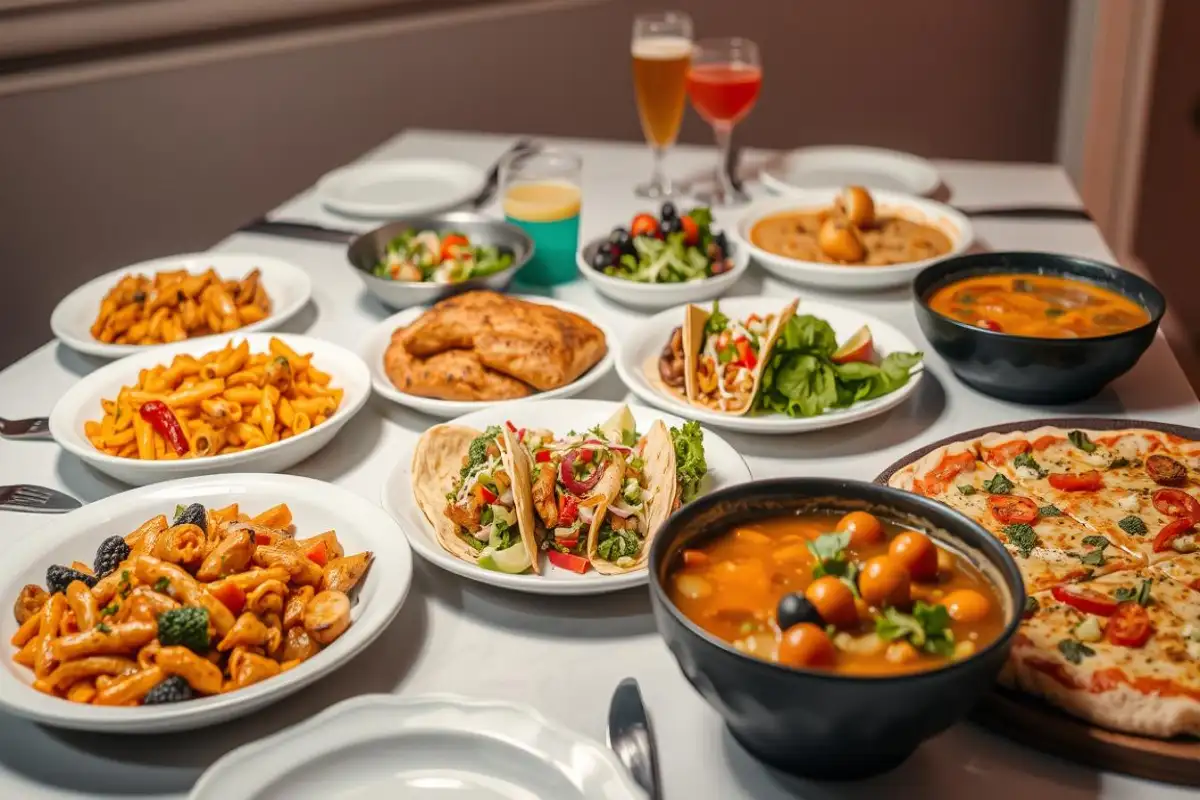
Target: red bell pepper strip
column 163, row 420
column 262, row 538
column 568, row 543
column 542, row 456
column 1172, row 531
column 486, row 494
column 231, row 595
column 568, row 561
column 568, row 510
column 746, row 357
column 318, row 553
column 1085, row 600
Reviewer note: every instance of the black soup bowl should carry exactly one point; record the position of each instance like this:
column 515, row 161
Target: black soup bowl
column 1028, row 369
column 816, row 723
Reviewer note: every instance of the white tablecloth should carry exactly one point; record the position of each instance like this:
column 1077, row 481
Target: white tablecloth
column 565, row 656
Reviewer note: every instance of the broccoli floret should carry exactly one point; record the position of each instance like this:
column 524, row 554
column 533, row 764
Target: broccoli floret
column 187, row 626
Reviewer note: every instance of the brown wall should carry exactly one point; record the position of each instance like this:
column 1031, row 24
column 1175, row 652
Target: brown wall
column 102, row 173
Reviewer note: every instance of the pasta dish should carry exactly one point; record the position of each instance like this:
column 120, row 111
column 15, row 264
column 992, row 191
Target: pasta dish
column 177, row 305
column 211, row 602
column 222, row 402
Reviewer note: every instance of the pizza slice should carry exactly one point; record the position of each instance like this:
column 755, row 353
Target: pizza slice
column 1119, row 651
column 1128, row 486
column 1184, row 570
column 1049, row 546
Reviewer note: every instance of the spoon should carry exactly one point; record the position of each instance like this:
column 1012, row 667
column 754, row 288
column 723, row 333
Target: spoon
column 630, row 736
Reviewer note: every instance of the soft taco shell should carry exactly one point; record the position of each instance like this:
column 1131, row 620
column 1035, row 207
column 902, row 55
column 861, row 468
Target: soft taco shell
column 519, row 470
column 659, row 455
column 436, row 464
column 693, row 339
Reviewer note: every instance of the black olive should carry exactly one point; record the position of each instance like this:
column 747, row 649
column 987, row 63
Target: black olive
column 668, row 211
column 601, row 258
column 672, row 225
column 191, row 515
column 720, row 241
column 621, row 239
column 794, row 609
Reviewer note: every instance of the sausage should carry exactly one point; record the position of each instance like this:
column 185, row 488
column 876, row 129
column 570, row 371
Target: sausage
column 1165, row 470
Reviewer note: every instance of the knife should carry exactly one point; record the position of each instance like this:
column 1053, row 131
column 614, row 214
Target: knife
column 630, row 736
column 297, row 230
column 1030, row 212
column 493, row 176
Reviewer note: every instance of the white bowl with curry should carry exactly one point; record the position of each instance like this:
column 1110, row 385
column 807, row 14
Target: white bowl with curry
column 851, row 239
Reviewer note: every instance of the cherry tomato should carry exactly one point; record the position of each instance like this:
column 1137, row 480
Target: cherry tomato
column 885, row 582
column 1177, row 503
column 1088, row 481
column 834, row 601
column 989, row 324
column 486, row 494
column 806, row 645
column 1172, row 531
column 1007, row 508
column 644, row 225
column 864, row 528
column 452, row 244
column 1129, row 626
column 917, row 553
column 691, row 231
column 966, row 605
column 1085, row 600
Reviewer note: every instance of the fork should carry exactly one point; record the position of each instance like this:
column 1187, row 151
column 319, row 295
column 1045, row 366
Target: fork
column 32, row 428
column 38, row 499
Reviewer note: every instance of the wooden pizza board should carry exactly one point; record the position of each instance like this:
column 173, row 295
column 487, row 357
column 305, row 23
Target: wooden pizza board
column 1038, row 725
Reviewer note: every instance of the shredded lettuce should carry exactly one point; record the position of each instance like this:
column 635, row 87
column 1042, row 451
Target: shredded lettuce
column 690, row 466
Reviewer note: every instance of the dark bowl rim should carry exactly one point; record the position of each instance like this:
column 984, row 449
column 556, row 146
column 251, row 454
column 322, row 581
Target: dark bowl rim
column 449, row 218
column 936, row 673
column 1065, row 259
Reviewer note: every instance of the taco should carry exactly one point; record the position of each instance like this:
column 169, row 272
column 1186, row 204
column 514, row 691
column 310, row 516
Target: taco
column 652, row 488
column 724, row 358
column 472, row 486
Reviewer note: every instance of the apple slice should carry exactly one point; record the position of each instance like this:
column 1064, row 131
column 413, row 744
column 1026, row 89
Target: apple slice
column 859, row 347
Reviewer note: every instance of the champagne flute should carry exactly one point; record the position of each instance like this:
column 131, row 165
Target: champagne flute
column 661, row 50
column 723, row 82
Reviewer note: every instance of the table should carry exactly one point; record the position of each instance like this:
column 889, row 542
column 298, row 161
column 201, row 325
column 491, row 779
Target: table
column 448, row 626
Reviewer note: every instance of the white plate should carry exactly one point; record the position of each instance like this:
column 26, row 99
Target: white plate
column 872, row 167
column 316, row 506
column 386, row 189
column 437, row 747
column 655, row 296
column 376, row 343
column 648, row 340
column 82, row 403
column 839, row 276
column 725, row 468
column 288, row 286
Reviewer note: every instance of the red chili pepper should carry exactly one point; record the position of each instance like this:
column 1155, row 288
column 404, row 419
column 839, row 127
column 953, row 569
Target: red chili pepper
column 568, row 509
column 568, row 561
column 163, row 419
column 542, row 456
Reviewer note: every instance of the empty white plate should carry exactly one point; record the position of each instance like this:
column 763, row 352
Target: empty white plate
column 872, row 167
column 387, row 189
column 438, row 747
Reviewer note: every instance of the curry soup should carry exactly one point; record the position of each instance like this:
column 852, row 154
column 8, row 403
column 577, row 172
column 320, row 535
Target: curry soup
column 852, row 594
column 1044, row 306
column 888, row 240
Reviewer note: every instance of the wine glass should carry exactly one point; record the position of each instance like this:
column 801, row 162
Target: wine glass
column 661, row 50
column 723, row 82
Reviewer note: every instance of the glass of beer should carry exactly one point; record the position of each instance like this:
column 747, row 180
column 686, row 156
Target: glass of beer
column 724, row 80
column 541, row 195
column 662, row 50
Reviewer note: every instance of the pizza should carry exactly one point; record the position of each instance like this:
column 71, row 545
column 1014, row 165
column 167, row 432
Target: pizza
column 1104, row 528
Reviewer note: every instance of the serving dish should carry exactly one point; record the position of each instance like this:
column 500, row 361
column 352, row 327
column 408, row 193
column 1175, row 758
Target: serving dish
column 835, row 165
column 725, row 468
column 1034, row 722
column 637, row 366
column 367, row 249
column 316, row 506
column 287, row 286
column 811, row 722
column 1027, row 369
column 389, row 189
column 656, row 296
column 81, row 403
column 956, row 227
column 432, row 746
column 376, row 343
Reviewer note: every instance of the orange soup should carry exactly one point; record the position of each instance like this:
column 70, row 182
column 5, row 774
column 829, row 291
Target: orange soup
column 852, row 594
column 1044, row 306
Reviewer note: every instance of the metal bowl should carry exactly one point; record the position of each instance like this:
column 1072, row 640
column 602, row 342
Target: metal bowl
column 367, row 249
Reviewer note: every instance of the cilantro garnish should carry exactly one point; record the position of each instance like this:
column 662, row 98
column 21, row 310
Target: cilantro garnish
column 1028, row 461
column 1022, row 536
column 927, row 628
column 1094, row 557
column 1081, row 440
column 997, row 484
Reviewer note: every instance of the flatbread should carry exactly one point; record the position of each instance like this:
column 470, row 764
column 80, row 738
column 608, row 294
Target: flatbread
column 519, row 469
column 1152, row 689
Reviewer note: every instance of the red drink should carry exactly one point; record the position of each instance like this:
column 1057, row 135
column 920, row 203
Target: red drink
column 723, row 93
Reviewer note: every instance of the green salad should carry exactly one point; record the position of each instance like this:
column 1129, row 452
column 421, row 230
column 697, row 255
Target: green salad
column 441, row 258
column 805, row 377
column 671, row 248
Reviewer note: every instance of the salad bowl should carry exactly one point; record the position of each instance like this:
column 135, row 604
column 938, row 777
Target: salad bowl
column 657, row 296
column 373, row 248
